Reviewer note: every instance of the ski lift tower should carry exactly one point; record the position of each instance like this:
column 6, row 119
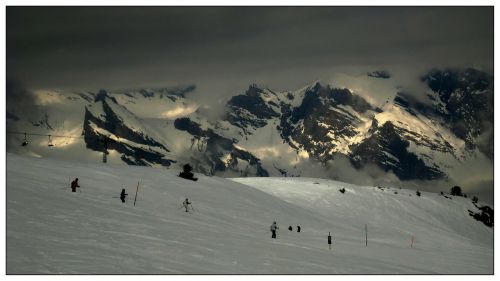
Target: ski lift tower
column 105, row 152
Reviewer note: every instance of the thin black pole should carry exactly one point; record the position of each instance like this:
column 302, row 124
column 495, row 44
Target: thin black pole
column 366, row 235
column 137, row 190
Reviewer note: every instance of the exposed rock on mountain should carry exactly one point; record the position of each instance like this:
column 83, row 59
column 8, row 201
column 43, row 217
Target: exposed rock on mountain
column 108, row 125
column 220, row 153
column 389, row 150
column 383, row 74
column 465, row 103
column 263, row 132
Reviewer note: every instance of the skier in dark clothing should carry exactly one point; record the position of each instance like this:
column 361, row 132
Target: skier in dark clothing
column 274, row 227
column 123, row 195
column 186, row 204
column 74, row 185
column 329, row 241
column 290, row 228
column 298, row 228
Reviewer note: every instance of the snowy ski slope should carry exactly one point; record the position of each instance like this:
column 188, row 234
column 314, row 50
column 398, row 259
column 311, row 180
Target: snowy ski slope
column 51, row 230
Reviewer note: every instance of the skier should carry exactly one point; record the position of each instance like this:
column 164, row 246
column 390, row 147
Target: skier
column 123, row 195
column 186, row 204
column 74, row 185
column 329, row 241
column 298, row 228
column 274, row 227
column 290, row 228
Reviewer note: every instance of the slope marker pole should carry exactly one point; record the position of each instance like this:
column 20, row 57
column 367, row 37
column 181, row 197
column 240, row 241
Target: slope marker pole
column 136, row 191
column 366, row 235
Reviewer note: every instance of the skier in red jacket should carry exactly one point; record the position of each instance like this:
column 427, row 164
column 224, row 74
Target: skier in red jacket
column 74, row 185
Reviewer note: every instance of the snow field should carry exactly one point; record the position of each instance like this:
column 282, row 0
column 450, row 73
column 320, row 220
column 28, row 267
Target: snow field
column 52, row 230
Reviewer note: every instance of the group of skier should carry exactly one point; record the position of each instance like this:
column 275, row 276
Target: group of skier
column 123, row 195
column 274, row 227
column 291, row 228
column 185, row 204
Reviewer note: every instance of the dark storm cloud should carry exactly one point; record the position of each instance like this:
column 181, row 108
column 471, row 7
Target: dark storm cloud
column 92, row 47
column 19, row 99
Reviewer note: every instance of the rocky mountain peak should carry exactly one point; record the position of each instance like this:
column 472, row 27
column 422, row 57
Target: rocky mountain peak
column 415, row 136
column 102, row 95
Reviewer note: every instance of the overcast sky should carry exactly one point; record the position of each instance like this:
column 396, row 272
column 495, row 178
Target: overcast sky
column 224, row 49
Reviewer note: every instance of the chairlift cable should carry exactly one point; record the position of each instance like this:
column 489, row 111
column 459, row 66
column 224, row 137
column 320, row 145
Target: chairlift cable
column 43, row 135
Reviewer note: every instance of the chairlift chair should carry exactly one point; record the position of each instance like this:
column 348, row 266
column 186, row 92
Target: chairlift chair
column 25, row 141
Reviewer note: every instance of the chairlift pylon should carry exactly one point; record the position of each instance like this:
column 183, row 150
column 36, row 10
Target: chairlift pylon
column 25, row 142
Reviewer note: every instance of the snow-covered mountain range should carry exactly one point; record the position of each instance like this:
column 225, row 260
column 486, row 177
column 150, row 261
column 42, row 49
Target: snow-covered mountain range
column 263, row 132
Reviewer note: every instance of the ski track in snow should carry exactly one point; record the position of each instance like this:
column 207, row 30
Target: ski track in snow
column 51, row 230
